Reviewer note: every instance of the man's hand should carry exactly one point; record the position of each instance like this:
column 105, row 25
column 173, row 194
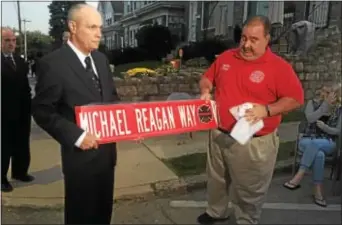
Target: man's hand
column 258, row 112
column 205, row 95
column 89, row 142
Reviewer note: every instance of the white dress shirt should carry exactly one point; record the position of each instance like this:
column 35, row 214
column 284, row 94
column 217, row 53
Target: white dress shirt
column 81, row 56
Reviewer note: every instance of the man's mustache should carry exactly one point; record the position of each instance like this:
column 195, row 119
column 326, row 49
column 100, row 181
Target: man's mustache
column 247, row 49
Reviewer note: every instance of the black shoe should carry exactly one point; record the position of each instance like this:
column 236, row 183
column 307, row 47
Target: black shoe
column 6, row 186
column 25, row 178
column 205, row 218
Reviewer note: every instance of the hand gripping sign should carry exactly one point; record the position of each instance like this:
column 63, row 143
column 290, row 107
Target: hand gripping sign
column 136, row 121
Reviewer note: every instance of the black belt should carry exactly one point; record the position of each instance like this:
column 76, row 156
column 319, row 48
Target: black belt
column 228, row 133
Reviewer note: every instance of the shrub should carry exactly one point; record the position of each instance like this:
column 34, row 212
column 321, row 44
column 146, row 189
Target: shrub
column 197, row 62
column 129, row 55
column 156, row 39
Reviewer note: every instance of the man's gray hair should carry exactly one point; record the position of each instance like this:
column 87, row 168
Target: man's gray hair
column 6, row 29
column 74, row 9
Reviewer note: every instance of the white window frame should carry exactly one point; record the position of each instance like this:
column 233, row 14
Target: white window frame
column 210, row 26
column 245, row 11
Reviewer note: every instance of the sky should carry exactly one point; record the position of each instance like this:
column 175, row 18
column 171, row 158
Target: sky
column 35, row 11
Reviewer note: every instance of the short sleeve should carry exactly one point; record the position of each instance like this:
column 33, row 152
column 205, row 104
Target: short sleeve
column 211, row 71
column 288, row 84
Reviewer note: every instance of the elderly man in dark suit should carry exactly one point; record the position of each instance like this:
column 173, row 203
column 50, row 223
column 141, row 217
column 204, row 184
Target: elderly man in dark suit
column 74, row 75
column 66, row 36
column 15, row 113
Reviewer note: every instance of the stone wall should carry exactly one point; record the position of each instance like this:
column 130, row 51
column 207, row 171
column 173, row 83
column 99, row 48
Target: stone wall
column 321, row 66
column 159, row 87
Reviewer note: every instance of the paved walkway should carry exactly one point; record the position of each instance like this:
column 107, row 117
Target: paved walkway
column 139, row 166
column 282, row 207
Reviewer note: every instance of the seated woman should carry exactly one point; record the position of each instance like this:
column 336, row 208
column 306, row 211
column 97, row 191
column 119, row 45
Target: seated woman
column 319, row 138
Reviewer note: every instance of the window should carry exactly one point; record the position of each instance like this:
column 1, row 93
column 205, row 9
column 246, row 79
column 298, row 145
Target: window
column 318, row 13
column 131, row 9
column 289, row 7
column 132, row 37
column 109, row 21
column 222, row 25
column 207, row 18
column 126, row 37
column 115, row 40
column 129, row 6
column 107, row 42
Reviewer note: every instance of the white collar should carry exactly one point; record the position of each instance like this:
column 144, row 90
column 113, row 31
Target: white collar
column 8, row 54
column 79, row 54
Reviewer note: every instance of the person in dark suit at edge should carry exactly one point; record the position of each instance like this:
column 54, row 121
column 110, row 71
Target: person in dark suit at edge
column 15, row 113
column 65, row 37
column 75, row 75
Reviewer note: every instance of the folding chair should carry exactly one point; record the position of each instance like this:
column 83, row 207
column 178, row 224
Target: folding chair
column 329, row 159
column 339, row 159
column 337, row 183
column 297, row 153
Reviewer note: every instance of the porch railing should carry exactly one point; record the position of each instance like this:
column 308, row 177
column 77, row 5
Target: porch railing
column 317, row 13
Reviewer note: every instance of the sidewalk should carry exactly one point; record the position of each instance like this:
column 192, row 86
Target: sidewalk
column 282, row 207
column 140, row 173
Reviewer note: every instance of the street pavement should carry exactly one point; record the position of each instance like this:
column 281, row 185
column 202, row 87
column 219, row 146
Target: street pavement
column 282, row 207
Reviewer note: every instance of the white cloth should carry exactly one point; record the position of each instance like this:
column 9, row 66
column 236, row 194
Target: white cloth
column 243, row 131
column 302, row 36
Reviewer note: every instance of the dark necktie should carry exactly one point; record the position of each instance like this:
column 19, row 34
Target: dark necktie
column 89, row 69
column 10, row 60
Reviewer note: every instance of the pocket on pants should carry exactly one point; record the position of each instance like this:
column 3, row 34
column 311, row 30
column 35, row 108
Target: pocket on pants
column 223, row 140
column 264, row 148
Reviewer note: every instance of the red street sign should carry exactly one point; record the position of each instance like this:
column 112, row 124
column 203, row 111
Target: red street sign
column 135, row 121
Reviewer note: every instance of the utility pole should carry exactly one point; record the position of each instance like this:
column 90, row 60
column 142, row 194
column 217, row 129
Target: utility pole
column 19, row 25
column 25, row 37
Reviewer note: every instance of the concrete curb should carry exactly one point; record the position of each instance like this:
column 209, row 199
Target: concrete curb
column 192, row 183
column 146, row 192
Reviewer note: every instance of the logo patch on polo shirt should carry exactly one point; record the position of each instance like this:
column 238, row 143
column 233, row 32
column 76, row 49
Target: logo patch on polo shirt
column 257, row 76
column 225, row 67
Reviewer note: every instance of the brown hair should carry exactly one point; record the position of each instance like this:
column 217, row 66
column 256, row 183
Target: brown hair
column 259, row 19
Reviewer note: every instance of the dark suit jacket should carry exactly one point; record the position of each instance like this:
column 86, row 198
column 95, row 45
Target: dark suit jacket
column 63, row 84
column 15, row 92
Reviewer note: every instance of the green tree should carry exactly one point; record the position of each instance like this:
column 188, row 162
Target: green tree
column 38, row 42
column 58, row 17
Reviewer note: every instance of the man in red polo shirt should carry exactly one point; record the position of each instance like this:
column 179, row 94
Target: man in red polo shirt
column 241, row 174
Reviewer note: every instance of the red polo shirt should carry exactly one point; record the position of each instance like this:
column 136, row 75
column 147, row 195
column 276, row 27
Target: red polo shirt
column 262, row 81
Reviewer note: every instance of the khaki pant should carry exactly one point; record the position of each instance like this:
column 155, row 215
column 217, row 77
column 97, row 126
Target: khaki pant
column 240, row 174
